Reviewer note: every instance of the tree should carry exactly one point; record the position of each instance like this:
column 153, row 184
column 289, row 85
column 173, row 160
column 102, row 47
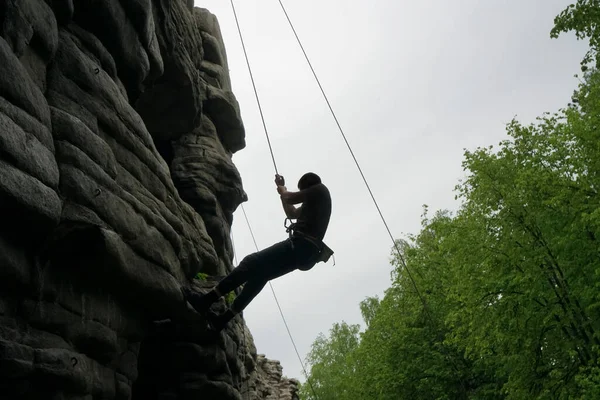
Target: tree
column 581, row 17
column 404, row 352
column 501, row 299
column 368, row 309
column 528, row 258
column 331, row 364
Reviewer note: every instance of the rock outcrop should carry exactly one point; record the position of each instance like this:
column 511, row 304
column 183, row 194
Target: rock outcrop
column 117, row 128
column 267, row 381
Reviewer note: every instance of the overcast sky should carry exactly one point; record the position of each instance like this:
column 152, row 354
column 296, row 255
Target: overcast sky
column 413, row 85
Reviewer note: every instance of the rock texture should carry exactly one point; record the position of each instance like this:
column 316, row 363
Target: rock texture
column 181, row 360
column 117, row 128
column 267, row 381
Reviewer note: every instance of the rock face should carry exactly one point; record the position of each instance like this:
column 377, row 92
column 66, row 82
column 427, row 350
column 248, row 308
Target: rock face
column 180, row 360
column 267, row 381
column 117, row 128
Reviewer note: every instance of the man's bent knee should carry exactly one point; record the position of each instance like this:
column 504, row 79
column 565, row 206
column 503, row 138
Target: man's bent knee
column 249, row 261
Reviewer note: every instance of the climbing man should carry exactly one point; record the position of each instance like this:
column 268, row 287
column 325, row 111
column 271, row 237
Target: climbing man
column 302, row 250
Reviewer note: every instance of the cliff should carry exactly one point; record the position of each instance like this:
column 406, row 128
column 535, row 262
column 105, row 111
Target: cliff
column 117, row 128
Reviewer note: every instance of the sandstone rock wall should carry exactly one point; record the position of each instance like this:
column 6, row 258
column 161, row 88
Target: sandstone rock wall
column 179, row 360
column 266, row 381
column 117, row 127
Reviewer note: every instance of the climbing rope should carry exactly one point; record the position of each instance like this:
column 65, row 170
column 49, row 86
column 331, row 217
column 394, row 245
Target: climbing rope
column 262, row 117
column 277, row 172
column 395, row 243
column 281, row 312
column 341, row 130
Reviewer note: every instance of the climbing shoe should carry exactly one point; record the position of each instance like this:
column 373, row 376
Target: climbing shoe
column 218, row 322
column 200, row 302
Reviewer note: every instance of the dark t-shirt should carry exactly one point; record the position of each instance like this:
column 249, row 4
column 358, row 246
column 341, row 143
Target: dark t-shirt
column 315, row 211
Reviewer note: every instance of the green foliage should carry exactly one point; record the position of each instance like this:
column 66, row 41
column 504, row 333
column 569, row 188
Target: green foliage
column 229, row 298
column 500, row 299
column 368, row 308
column 526, row 280
column 200, row 276
column 331, row 365
column 581, row 17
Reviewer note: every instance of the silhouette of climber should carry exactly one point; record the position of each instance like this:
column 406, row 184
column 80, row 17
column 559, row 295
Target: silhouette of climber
column 302, row 250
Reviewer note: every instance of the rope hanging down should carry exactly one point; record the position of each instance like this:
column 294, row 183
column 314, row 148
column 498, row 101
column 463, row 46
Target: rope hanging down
column 395, row 244
column 414, row 283
column 277, row 172
column 281, row 311
column 262, row 117
column 341, row 130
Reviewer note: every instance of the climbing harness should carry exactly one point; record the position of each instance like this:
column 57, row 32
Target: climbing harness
column 324, row 252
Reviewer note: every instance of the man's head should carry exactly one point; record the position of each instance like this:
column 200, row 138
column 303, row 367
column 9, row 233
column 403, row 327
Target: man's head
column 309, row 179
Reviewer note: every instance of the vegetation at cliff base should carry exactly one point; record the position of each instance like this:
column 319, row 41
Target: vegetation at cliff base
column 508, row 299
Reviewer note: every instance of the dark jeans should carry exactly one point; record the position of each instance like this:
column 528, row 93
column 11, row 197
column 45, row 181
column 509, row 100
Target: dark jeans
column 257, row 269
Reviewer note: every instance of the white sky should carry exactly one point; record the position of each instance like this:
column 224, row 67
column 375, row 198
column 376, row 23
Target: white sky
column 413, row 85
